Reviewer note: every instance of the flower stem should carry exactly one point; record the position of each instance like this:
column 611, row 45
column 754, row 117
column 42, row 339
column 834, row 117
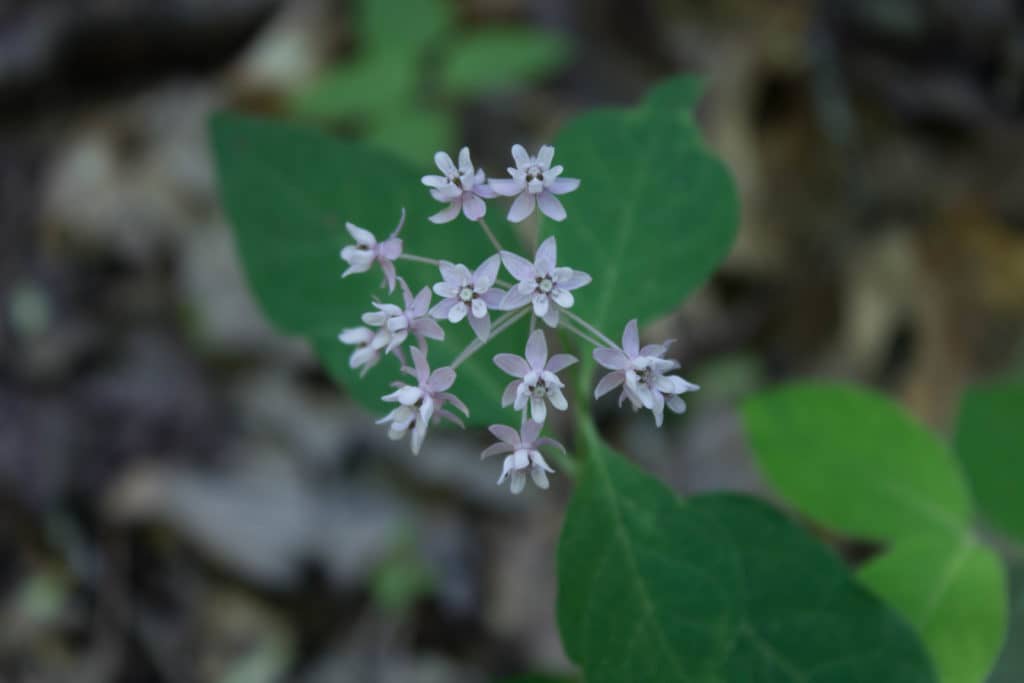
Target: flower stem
column 490, row 235
column 590, row 328
column 420, row 259
column 579, row 333
column 500, row 325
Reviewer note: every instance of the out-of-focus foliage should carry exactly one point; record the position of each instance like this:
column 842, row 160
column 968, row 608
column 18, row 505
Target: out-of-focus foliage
column 990, row 442
column 415, row 65
column 858, row 464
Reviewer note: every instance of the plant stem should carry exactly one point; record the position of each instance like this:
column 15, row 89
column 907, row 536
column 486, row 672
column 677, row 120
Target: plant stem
column 500, row 325
column 579, row 333
column 590, row 328
column 490, row 235
column 420, row 259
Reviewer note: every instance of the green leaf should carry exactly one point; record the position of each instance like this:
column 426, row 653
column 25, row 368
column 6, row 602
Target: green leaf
column 990, row 442
column 402, row 26
column 954, row 595
column 655, row 212
column 288, row 192
column 716, row 589
column 364, row 90
column 415, row 137
column 856, row 462
column 498, row 57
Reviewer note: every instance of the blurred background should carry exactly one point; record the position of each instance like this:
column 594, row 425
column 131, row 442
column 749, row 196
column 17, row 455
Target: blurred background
column 185, row 497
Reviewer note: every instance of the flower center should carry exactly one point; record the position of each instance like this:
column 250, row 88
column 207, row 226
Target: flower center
column 466, row 294
column 534, row 173
column 545, row 284
column 539, row 390
column 456, row 181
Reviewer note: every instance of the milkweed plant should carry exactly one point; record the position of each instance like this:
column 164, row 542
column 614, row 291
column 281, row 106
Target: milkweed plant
column 537, row 287
column 448, row 317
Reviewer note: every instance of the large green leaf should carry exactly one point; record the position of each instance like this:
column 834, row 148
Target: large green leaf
column 717, row 589
column 990, row 443
column 288, row 192
column 655, row 212
column 500, row 56
column 856, row 462
column 953, row 592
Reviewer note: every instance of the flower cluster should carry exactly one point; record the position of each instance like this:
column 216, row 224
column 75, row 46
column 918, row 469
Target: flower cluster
column 538, row 287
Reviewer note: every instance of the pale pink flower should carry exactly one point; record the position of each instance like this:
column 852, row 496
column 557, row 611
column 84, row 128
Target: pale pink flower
column 368, row 346
column 534, row 183
column 463, row 188
column 536, row 382
column 401, row 322
column 361, row 256
column 541, row 283
column 641, row 373
column 421, row 403
column 468, row 294
column 524, row 454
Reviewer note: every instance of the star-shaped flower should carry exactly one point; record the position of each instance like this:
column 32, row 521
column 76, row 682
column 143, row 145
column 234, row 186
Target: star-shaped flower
column 641, row 373
column 464, row 188
column 548, row 287
column 368, row 343
column 536, row 183
column 465, row 294
column 536, row 378
column 421, row 403
column 361, row 256
column 525, row 456
column 401, row 322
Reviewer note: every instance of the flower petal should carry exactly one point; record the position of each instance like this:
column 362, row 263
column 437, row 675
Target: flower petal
column 560, row 361
column 486, row 273
column 540, row 477
column 537, row 350
column 613, row 359
column 505, row 434
column 481, row 324
column 419, row 364
column 521, row 156
column 440, row 311
column 550, row 206
column 509, row 395
column 457, row 312
column 473, row 206
column 512, row 364
column 421, row 303
column 434, row 181
column 517, row 266
column 493, row 297
column 444, row 163
column 506, row 187
column 577, row 280
column 361, row 235
column 447, row 214
column 563, row 185
column 465, row 163
column 496, row 449
column 530, row 431
column 631, row 339
column 538, row 409
column 557, row 399
column 545, row 156
column 547, row 253
column 426, row 327
column 453, row 275
column 551, row 317
column 512, row 300
column 562, row 297
column 521, row 208
column 607, row 383
column 441, row 379
column 540, row 304
column 478, row 309
column 518, row 482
